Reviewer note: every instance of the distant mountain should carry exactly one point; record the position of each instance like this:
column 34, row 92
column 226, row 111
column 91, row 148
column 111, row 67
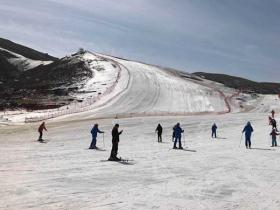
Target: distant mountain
column 25, row 51
column 15, row 58
column 29, row 74
column 242, row 84
column 64, row 72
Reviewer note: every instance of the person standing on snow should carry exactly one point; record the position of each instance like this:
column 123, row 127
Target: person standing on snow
column 248, row 129
column 40, row 130
column 274, row 134
column 274, row 124
column 115, row 143
column 94, row 132
column 178, row 134
column 214, row 130
column 159, row 132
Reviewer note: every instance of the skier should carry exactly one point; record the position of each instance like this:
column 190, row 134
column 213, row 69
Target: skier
column 40, row 130
column 272, row 113
column 274, row 124
column 115, row 141
column 159, row 132
column 214, row 130
column 94, row 132
column 248, row 129
column 177, row 134
column 274, row 134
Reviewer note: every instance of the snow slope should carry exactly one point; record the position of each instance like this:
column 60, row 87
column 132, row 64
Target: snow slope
column 127, row 88
column 105, row 74
column 210, row 174
column 122, row 88
column 267, row 103
column 24, row 63
column 154, row 91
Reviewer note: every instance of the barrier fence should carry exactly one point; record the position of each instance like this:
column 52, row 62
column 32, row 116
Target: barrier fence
column 86, row 105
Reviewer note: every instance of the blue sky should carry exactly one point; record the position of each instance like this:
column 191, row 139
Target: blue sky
column 237, row 37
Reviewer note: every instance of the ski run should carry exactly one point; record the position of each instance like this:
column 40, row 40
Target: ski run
column 209, row 173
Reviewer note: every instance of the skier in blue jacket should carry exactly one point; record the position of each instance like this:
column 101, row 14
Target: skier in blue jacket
column 274, row 135
column 177, row 135
column 248, row 129
column 94, row 132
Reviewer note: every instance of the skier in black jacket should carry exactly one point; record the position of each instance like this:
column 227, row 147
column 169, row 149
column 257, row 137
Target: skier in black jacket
column 274, row 124
column 214, row 130
column 115, row 143
column 159, row 132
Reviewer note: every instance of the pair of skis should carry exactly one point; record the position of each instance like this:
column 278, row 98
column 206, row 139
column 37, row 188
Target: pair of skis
column 123, row 161
column 42, row 141
column 184, row 140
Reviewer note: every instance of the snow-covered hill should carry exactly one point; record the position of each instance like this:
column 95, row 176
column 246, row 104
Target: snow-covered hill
column 15, row 59
column 100, row 86
column 155, row 91
column 22, row 63
column 122, row 88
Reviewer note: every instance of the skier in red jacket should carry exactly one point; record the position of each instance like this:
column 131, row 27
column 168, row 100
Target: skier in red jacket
column 40, row 130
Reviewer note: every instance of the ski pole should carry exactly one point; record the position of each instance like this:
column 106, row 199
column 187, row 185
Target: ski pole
column 103, row 142
column 240, row 139
column 184, row 139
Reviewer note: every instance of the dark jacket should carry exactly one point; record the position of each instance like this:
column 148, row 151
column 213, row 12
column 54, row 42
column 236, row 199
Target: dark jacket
column 273, row 123
column 248, row 129
column 159, row 129
column 116, row 134
column 41, row 128
column 274, row 134
column 94, row 131
column 214, row 127
column 178, row 132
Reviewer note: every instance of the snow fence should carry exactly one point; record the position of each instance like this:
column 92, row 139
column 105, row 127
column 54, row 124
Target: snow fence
column 86, row 105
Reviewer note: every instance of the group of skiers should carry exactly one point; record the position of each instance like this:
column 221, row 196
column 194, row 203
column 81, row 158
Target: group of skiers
column 274, row 133
column 176, row 136
column 115, row 140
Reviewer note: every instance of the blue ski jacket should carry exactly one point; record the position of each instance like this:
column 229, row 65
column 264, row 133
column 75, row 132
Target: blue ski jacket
column 248, row 129
column 178, row 132
column 94, row 132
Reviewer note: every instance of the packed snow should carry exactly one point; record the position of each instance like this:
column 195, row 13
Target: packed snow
column 208, row 174
column 105, row 74
column 122, row 88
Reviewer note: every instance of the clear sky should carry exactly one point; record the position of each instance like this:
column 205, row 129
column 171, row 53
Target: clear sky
column 237, row 37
